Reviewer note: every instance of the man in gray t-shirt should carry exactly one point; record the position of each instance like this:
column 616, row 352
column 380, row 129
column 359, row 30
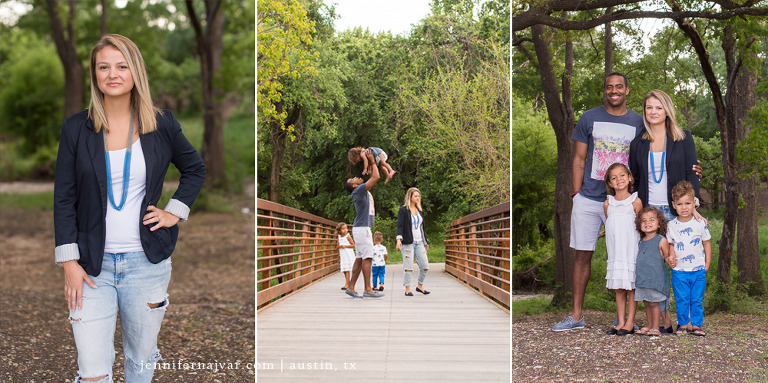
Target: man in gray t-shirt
column 602, row 137
column 361, row 231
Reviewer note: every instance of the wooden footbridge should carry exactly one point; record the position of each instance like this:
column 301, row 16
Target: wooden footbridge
column 309, row 330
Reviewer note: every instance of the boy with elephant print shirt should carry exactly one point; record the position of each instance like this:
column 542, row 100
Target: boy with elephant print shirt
column 691, row 250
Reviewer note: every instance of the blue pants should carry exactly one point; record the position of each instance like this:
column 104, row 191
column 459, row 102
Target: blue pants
column 377, row 271
column 688, row 287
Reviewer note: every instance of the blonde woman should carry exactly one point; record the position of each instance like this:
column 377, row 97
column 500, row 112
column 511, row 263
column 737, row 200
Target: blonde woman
column 412, row 240
column 660, row 158
column 112, row 242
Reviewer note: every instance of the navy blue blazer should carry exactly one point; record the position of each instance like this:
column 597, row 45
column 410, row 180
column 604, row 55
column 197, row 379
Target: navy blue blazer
column 680, row 158
column 80, row 191
column 404, row 222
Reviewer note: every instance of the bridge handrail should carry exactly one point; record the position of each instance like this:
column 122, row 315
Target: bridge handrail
column 478, row 252
column 295, row 249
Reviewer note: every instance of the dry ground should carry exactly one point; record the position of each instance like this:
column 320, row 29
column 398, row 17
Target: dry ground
column 210, row 318
column 734, row 350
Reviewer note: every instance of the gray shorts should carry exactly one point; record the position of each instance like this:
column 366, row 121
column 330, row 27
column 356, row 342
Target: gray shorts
column 587, row 217
column 363, row 241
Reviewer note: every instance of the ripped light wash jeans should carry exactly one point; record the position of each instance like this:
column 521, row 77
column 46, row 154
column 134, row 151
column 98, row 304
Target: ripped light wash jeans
column 127, row 284
column 410, row 252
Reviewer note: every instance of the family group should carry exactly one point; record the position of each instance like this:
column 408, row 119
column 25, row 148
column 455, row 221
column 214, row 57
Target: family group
column 362, row 251
column 638, row 176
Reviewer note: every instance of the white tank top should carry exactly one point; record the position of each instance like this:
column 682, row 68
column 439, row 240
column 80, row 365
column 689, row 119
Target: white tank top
column 123, row 226
column 657, row 192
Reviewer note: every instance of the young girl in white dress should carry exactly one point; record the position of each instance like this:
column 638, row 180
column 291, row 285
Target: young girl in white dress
column 621, row 239
column 346, row 251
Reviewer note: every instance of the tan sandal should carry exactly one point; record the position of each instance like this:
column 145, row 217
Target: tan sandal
column 643, row 331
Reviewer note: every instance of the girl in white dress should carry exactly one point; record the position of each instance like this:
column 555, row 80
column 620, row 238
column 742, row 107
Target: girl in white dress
column 346, row 251
column 621, row 239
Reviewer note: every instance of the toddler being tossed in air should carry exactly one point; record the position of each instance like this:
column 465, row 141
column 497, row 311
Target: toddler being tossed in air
column 379, row 158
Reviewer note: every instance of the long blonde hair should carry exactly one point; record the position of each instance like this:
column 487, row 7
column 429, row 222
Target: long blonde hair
column 141, row 99
column 673, row 130
column 408, row 196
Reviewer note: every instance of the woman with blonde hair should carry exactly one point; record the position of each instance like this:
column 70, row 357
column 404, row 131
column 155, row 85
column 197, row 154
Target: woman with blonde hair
column 412, row 240
column 112, row 242
column 661, row 157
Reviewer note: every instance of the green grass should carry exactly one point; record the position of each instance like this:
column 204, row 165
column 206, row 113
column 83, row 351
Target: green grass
column 27, row 201
column 531, row 306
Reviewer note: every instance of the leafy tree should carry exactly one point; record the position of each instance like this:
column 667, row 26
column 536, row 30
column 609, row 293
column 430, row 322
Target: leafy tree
column 534, row 164
column 285, row 37
column 30, row 96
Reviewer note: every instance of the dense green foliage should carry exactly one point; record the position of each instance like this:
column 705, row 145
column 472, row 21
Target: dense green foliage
column 437, row 101
column 30, row 95
column 534, row 162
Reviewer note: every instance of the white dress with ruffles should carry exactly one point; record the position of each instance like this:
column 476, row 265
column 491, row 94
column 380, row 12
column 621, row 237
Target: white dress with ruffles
column 621, row 240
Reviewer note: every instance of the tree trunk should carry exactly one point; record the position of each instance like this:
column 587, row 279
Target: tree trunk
column 278, row 150
column 726, row 121
column 749, row 277
column 728, row 137
column 562, row 118
column 103, row 17
column 608, row 45
column 279, row 141
column 67, row 50
column 209, row 47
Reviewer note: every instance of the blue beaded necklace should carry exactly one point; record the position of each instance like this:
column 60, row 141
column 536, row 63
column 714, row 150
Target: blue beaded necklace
column 653, row 168
column 126, row 169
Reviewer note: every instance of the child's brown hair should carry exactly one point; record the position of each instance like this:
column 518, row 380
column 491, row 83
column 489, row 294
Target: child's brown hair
column 378, row 237
column 339, row 226
column 683, row 188
column 607, row 178
column 662, row 229
column 354, row 154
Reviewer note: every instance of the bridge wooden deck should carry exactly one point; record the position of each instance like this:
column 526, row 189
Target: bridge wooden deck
column 321, row 334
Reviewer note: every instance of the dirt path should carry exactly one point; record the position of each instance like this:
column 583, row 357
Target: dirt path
column 735, row 350
column 210, row 318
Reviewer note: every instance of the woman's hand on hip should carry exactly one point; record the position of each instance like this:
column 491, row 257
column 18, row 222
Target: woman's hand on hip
column 74, row 275
column 160, row 218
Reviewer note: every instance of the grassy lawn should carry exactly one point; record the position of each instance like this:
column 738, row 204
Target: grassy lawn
column 27, row 201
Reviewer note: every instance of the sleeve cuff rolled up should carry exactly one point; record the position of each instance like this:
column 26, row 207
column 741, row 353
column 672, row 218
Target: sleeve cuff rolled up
column 67, row 252
column 178, row 209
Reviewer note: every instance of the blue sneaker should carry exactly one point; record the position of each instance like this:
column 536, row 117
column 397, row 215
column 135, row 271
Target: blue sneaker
column 569, row 324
